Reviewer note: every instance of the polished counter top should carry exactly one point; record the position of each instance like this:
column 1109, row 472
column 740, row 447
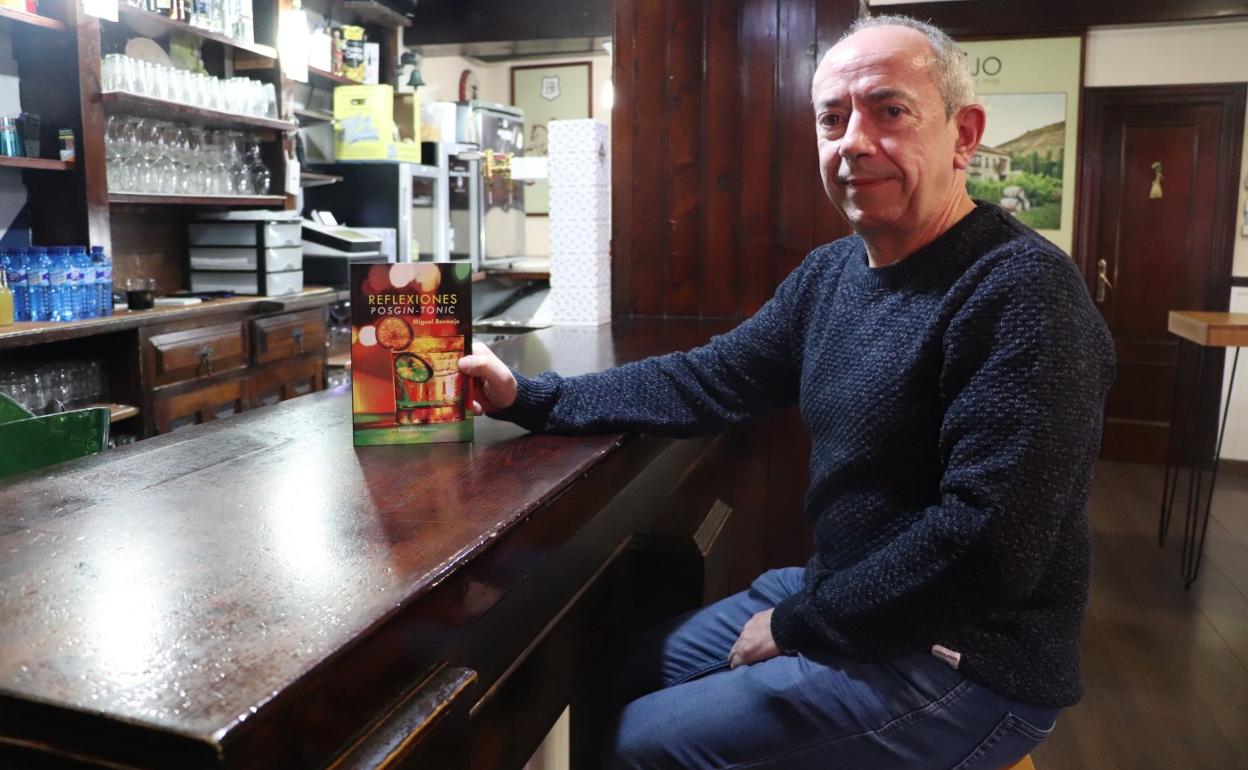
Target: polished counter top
column 182, row 585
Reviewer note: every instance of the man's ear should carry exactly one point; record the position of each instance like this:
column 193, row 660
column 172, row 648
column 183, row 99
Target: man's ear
column 969, row 121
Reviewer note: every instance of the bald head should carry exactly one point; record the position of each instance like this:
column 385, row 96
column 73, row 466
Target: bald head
column 936, row 53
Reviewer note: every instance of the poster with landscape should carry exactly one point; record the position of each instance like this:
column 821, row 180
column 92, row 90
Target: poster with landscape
column 1019, row 164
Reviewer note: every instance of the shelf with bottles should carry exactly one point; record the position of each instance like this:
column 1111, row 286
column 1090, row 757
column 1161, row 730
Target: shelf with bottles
column 58, row 283
column 123, row 103
column 31, row 19
column 154, row 24
column 57, row 385
column 156, row 161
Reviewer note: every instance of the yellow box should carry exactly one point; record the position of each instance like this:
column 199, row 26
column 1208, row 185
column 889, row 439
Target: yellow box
column 365, row 125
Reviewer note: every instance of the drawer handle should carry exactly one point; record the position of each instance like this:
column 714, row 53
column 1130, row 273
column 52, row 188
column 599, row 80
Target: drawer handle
column 297, row 336
column 205, row 359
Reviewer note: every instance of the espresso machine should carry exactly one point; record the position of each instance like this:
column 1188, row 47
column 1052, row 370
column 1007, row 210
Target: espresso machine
column 500, row 130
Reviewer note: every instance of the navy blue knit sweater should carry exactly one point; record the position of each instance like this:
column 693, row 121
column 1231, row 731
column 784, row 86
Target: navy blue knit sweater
column 954, row 402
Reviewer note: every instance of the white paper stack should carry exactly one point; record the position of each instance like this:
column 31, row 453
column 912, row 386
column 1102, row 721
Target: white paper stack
column 580, row 222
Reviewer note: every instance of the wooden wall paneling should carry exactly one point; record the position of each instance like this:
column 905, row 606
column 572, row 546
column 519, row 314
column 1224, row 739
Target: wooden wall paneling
column 649, row 134
column 833, row 17
column 795, row 157
column 150, row 242
column 723, row 146
column 90, row 147
column 683, row 105
column 623, row 75
column 470, row 21
column 758, row 30
column 716, row 187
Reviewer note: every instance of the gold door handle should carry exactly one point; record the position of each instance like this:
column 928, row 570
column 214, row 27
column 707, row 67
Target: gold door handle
column 1102, row 279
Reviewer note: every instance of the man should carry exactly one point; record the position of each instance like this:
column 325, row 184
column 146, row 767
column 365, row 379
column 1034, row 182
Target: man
column 952, row 372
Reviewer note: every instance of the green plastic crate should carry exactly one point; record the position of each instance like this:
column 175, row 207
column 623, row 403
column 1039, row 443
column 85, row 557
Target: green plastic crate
column 29, row 442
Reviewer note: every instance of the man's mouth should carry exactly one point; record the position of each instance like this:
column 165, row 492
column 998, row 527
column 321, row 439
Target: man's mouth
column 864, row 181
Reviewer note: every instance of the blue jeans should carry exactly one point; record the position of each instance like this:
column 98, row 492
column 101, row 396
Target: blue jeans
column 817, row 710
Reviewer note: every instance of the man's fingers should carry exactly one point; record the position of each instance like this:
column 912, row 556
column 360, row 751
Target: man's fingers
column 482, row 366
column 477, row 408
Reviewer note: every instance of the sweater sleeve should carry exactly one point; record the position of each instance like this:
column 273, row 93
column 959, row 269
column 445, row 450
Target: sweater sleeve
column 738, row 375
column 1027, row 365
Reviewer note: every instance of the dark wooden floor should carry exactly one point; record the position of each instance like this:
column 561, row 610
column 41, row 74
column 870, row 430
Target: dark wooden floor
column 1166, row 670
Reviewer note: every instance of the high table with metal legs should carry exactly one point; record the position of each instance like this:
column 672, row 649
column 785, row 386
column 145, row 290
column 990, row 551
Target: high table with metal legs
column 1203, row 331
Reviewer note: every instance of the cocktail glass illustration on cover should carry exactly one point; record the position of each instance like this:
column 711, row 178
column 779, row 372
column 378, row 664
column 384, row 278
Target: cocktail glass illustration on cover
column 428, row 386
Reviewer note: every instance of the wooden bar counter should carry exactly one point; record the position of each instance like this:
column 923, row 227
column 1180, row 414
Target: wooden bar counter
column 258, row 593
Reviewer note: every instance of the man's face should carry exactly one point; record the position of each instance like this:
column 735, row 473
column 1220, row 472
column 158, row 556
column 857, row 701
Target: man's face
column 887, row 153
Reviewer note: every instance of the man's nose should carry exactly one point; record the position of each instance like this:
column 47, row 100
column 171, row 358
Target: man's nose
column 856, row 141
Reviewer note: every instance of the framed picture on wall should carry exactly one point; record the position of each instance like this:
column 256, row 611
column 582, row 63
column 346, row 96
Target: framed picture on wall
column 548, row 92
column 1030, row 89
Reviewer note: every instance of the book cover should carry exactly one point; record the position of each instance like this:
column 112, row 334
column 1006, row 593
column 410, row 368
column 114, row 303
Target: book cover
column 410, row 325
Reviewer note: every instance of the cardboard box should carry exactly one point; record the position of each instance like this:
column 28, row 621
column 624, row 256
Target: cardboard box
column 370, row 123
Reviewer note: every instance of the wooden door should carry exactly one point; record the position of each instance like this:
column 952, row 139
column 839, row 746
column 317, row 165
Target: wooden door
column 1158, row 184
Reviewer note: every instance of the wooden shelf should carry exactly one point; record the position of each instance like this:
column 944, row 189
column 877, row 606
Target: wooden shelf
column 26, row 333
column 117, row 412
column 313, row 116
column 342, row 80
column 152, row 24
column 42, row 164
column 339, row 361
column 371, row 10
column 161, row 109
column 33, row 19
column 313, row 179
column 133, row 199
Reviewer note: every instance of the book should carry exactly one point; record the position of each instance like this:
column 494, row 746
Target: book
column 410, row 325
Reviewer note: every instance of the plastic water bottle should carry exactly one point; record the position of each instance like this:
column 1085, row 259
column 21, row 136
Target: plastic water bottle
column 81, row 281
column 18, row 284
column 103, row 281
column 58, row 285
column 39, row 280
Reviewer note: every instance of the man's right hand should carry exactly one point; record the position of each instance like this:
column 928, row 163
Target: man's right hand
column 494, row 385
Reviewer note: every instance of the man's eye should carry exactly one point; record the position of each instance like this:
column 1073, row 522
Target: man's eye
column 894, row 112
column 829, row 121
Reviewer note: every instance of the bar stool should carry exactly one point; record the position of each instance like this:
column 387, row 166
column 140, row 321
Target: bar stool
column 1023, row 764
column 1204, row 331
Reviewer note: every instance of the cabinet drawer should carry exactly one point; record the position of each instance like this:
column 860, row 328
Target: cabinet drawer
column 173, row 409
column 287, row 335
column 192, row 353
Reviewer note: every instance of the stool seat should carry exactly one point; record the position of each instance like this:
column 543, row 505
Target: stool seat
column 1023, row 764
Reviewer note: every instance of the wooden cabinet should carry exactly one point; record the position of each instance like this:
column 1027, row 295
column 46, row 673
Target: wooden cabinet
column 197, row 370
